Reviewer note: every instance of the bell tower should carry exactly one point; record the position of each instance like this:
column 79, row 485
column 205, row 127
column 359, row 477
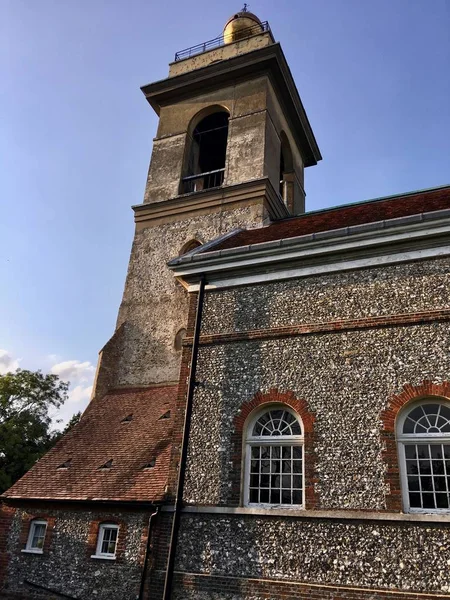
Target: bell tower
column 232, row 143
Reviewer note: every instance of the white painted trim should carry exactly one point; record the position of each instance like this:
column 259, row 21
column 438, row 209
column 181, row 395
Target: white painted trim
column 33, row 524
column 249, row 441
column 406, row 438
column 218, row 281
column 101, row 533
column 296, row 513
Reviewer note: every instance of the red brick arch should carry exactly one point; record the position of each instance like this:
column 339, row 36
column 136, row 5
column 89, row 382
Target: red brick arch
column 388, row 434
column 300, row 406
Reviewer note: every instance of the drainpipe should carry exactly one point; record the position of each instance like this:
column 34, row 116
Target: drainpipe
column 147, row 553
column 184, row 446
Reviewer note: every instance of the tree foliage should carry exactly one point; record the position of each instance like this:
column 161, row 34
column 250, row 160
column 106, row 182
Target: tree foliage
column 26, row 398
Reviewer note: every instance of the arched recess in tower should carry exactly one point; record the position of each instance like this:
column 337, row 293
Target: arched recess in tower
column 286, row 172
column 206, row 150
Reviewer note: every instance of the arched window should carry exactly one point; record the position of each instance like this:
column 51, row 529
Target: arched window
column 423, row 433
column 207, row 153
column 188, row 246
column 286, row 172
column 274, row 459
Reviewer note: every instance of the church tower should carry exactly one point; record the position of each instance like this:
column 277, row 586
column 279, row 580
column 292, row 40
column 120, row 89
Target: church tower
column 230, row 151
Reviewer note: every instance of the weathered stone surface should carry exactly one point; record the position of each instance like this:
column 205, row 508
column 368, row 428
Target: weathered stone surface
column 346, row 378
column 154, row 305
column 407, row 557
column 68, row 567
column 371, row 292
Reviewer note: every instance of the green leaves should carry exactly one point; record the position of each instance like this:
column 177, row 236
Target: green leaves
column 25, row 400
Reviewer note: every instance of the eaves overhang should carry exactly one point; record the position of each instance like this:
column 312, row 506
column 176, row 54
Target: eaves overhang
column 415, row 237
column 269, row 60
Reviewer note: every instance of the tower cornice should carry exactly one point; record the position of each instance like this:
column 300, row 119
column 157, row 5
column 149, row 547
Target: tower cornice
column 269, row 61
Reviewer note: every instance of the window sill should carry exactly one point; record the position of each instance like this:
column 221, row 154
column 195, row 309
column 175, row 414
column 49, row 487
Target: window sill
column 321, row 514
column 100, row 557
column 31, row 551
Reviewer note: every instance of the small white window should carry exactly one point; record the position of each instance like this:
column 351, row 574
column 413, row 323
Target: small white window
column 274, row 459
column 423, row 433
column 108, row 535
column 36, row 537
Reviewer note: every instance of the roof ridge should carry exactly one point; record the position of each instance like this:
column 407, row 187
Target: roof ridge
column 360, row 203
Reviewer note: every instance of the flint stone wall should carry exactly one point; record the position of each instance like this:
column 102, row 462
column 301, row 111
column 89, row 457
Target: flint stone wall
column 404, row 288
column 67, row 566
column 154, row 305
column 409, row 557
column 346, row 378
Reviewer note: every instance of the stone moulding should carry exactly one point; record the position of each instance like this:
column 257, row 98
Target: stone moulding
column 257, row 191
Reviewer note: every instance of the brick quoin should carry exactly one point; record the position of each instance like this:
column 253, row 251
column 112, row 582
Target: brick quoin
column 274, row 396
column 388, row 434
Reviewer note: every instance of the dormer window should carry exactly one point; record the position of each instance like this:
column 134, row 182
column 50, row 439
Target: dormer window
column 207, row 153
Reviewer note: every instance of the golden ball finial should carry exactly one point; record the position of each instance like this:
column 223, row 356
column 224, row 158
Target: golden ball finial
column 241, row 25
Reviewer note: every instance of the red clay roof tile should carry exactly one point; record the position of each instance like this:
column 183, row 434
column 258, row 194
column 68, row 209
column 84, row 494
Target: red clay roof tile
column 101, row 436
column 343, row 216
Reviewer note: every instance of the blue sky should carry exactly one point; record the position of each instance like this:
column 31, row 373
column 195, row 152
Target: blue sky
column 76, row 138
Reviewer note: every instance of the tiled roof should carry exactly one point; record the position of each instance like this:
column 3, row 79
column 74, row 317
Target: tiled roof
column 102, row 436
column 344, row 216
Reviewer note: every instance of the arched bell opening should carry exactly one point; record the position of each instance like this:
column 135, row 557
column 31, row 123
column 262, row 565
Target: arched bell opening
column 207, row 149
column 286, row 172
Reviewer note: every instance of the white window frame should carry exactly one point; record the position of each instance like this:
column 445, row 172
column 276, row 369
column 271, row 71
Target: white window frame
column 250, row 441
column 29, row 546
column 404, row 439
column 100, row 538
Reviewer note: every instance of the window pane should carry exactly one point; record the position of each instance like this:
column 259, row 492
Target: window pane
column 275, row 497
column 440, row 484
column 297, row 466
column 428, row 501
column 38, row 537
column 297, row 452
column 436, row 451
column 264, row 496
column 423, row 451
column 254, row 496
column 286, row 481
column 276, row 466
column 412, row 467
column 265, row 466
column 442, row 501
column 109, row 540
column 410, row 451
column 265, row 480
column 414, row 501
column 255, row 452
column 286, row 452
column 425, row 467
column 413, row 484
column 427, row 484
column 273, row 481
column 286, row 497
column 296, row 497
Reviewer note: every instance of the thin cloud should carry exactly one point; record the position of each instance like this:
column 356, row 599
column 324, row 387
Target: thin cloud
column 7, row 362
